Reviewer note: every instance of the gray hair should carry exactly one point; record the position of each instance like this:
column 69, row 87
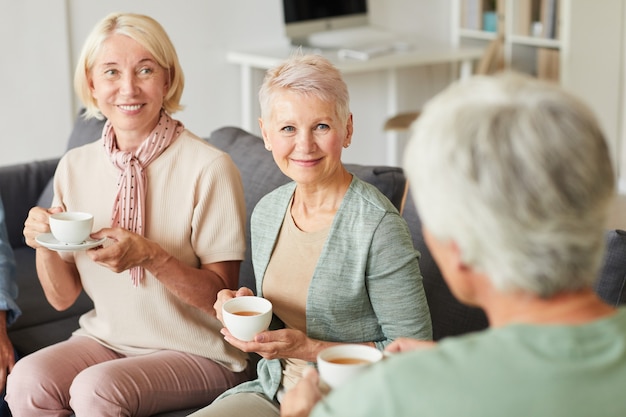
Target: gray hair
column 306, row 74
column 517, row 172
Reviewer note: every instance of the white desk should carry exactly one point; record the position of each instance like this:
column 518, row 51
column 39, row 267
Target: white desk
column 390, row 63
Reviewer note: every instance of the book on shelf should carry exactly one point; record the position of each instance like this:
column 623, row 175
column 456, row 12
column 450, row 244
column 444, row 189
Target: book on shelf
column 522, row 17
column 501, row 11
column 481, row 14
column 536, row 18
column 548, row 64
column 549, row 18
column 472, row 14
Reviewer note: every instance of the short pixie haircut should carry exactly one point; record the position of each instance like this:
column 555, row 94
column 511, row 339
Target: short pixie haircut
column 149, row 34
column 516, row 172
column 307, row 75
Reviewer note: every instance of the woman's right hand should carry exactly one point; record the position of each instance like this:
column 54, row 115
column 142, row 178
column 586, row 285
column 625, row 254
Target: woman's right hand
column 60, row 280
column 225, row 295
column 37, row 223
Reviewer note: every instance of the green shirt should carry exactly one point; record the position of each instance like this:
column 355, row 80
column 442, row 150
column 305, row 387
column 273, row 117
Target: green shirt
column 516, row 371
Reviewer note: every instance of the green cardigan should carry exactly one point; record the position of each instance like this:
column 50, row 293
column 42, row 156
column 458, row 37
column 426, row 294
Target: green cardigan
column 367, row 285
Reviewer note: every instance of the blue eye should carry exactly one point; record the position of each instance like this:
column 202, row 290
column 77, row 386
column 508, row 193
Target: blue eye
column 288, row 129
column 323, row 126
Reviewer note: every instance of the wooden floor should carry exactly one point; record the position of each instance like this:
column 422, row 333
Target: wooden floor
column 617, row 219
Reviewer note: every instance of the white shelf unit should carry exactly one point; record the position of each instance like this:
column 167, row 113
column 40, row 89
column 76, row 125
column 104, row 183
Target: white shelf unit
column 591, row 44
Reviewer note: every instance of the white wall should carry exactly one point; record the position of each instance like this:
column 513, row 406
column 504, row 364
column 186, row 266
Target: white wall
column 35, row 72
column 40, row 41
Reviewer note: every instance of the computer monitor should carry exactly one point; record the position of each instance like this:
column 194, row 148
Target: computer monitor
column 304, row 18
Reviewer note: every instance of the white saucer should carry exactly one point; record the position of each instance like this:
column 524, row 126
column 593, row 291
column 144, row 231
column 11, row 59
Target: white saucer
column 48, row 241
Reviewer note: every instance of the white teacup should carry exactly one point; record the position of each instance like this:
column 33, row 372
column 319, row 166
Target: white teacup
column 247, row 316
column 339, row 363
column 71, row 227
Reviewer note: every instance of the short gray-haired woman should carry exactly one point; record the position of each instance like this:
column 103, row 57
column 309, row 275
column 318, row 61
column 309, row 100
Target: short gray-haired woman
column 329, row 250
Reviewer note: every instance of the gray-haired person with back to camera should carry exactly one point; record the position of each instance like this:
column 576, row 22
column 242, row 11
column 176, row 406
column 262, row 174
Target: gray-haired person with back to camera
column 513, row 181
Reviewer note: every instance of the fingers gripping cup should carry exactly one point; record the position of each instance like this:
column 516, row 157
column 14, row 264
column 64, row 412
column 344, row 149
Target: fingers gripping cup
column 247, row 316
column 337, row 364
column 71, row 227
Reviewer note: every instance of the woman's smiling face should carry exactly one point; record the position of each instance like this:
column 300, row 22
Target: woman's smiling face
column 129, row 86
column 306, row 137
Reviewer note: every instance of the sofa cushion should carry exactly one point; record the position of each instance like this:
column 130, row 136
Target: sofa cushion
column 260, row 175
column 611, row 283
column 85, row 131
column 20, row 188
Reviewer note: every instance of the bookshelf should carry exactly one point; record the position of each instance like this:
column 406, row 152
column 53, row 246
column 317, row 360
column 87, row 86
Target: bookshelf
column 580, row 44
column 530, row 29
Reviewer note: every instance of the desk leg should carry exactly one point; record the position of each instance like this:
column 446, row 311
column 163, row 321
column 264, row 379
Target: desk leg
column 466, row 69
column 392, row 108
column 246, row 97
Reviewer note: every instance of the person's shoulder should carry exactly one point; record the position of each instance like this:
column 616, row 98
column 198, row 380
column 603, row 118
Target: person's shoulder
column 83, row 154
column 370, row 195
column 191, row 147
column 195, row 143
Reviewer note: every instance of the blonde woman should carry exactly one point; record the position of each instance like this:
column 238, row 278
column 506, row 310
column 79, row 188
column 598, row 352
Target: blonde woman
column 172, row 211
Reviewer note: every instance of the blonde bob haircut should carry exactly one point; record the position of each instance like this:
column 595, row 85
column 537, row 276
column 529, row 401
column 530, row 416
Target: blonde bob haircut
column 149, row 34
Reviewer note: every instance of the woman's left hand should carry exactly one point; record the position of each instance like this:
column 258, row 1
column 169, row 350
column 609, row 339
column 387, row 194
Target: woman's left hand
column 276, row 344
column 127, row 250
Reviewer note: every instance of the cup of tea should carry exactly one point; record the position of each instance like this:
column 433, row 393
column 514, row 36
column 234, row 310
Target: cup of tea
column 246, row 316
column 337, row 364
column 72, row 227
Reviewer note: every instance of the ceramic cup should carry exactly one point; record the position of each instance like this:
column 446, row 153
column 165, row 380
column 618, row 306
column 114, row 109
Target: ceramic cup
column 71, row 227
column 247, row 316
column 339, row 363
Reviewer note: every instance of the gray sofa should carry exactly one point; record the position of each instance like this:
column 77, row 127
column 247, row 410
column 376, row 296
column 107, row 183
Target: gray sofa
column 25, row 185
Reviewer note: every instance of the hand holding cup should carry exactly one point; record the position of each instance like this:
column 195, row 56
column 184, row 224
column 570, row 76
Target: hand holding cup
column 337, row 364
column 246, row 316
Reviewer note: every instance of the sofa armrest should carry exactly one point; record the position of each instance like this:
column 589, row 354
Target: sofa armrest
column 21, row 186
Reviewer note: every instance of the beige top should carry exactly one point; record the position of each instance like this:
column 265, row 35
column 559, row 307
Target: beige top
column 195, row 211
column 287, row 282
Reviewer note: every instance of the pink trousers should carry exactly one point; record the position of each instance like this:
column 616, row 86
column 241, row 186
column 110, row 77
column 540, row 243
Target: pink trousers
column 83, row 377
